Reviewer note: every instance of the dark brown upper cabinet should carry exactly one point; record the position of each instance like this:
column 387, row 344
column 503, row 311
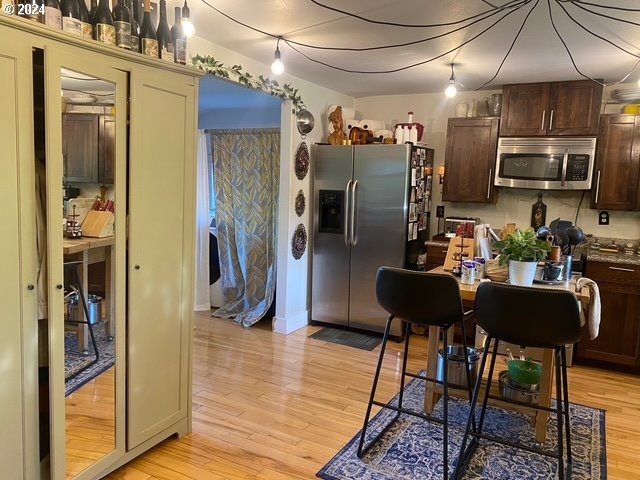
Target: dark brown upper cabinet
column 80, row 146
column 88, row 147
column 617, row 170
column 470, row 158
column 556, row 108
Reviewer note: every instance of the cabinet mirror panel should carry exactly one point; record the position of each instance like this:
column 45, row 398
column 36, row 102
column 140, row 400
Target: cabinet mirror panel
column 88, row 247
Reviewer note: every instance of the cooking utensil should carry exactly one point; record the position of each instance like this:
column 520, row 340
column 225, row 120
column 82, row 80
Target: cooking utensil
column 304, row 121
column 509, row 354
column 576, row 236
column 522, row 354
column 562, row 240
column 511, row 391
column 525, row 371
column 456, row 374
column 542, row 232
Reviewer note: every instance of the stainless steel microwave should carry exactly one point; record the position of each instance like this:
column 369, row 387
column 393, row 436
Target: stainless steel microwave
column 545, row 163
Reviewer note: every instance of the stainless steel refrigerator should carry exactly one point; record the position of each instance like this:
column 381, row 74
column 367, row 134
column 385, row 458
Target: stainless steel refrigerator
column 371, row 208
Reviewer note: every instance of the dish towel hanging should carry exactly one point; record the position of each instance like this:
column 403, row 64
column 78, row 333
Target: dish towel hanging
column 592, row 313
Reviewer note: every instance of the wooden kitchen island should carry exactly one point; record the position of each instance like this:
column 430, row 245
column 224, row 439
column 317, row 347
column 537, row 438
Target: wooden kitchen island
column 92, row 250
column 468, row 294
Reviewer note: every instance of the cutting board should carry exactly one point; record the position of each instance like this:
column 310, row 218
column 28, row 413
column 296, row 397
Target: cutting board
column 453, row 253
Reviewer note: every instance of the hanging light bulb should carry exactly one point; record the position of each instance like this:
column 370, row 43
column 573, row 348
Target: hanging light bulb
column 451, row 90
column 277, row 67
column 187, row 26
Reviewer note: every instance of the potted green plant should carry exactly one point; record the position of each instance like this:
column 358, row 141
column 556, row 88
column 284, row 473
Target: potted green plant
column 522, row 251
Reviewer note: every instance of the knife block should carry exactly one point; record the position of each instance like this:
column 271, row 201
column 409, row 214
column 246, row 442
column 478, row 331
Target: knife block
column 98, row 224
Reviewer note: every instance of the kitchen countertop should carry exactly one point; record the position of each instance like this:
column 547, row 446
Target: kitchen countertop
column 620, row 257
column 437, row 243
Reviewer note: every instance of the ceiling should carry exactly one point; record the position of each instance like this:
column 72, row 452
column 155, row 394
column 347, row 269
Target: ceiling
column 538, row 54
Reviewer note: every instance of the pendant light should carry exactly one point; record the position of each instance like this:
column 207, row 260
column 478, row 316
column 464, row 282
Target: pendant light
column 187, row 26
column 451, row 90
column 277, row 67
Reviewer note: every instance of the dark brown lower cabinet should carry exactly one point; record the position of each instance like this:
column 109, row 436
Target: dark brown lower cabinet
column 618, row 343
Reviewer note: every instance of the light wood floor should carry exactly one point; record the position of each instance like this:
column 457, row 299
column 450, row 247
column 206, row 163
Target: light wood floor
column 269, row 406
column 90, row 416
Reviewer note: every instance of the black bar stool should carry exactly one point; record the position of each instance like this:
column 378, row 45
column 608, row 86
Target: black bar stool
column 532, row 317
column 73, row 281
column 425, row 299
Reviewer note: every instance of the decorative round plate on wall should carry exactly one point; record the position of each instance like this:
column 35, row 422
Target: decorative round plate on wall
column 301, row 203
column 299, row 242
column 302, row 161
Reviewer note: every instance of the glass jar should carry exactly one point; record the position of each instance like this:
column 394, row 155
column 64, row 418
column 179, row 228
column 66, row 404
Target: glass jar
column 483, row 107
column 495, row 105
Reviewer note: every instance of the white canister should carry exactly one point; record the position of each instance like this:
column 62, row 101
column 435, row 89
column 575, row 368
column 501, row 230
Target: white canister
column 462, row 109
column 405, row 134
column 398, row 134
column 413, row 134
column 479, row 261
column 468, row 273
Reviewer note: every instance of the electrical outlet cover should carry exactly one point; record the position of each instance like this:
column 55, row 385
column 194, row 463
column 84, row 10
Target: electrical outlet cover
column 603, row 218
column 440, row 211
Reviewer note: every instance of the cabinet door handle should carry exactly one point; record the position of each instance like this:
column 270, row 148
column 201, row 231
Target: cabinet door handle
column 30, row 286
column 444, row 251
column 598, row 187
column 137, row 267
column 551, row 120
column 544, row 114
column 489, row 183
column 59, row 286
column 620, row 269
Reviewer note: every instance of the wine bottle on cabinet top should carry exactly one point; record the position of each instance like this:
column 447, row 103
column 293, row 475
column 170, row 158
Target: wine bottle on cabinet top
column 165, row 43
column 71, row 17
column 105, row 30
column 92, row 11
column 148, row 38
column 122, row 22
column 179, row 39
column 33, row 10
column 87, row 26
column 52, row 14
column 135, row 27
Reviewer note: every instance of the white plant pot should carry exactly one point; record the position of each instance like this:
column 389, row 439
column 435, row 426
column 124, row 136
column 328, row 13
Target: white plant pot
column 521, row 273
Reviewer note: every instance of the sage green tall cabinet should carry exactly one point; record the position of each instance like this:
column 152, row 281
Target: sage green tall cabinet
column 152, row 253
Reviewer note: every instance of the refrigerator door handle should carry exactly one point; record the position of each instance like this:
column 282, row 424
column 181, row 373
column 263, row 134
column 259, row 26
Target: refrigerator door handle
column 346, row 213
column 354, row 236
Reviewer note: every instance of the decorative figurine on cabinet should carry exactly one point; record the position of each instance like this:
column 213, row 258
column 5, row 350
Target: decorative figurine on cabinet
column 337, row 137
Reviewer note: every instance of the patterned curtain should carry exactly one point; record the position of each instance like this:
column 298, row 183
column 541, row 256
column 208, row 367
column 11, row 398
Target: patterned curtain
column 247, row 171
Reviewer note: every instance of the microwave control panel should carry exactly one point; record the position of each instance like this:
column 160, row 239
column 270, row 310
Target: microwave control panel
column 578, row 167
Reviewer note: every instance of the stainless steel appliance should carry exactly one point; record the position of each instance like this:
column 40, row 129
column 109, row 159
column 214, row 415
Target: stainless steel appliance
column 371, row 209
column 548, row 163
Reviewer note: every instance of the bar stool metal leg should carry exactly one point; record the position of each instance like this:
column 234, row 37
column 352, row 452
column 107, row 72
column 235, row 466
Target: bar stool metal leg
column 559, row 413
column 407, row 335
column 445, row 403
column 565, row 391
column 376, row 377
column 465, row 453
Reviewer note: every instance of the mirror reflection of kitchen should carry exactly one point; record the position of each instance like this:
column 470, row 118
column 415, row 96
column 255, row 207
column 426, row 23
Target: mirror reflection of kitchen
column 88, row 144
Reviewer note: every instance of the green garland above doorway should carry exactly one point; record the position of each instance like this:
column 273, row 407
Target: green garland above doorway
column 235, row 73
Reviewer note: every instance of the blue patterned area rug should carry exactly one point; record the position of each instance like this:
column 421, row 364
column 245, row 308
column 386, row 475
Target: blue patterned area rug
column 412, row 448
column 75, row 360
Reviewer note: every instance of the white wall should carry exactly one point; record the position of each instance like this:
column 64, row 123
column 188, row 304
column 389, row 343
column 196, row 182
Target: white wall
column 233, row 118
column 293, row 276
column 514, row 205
